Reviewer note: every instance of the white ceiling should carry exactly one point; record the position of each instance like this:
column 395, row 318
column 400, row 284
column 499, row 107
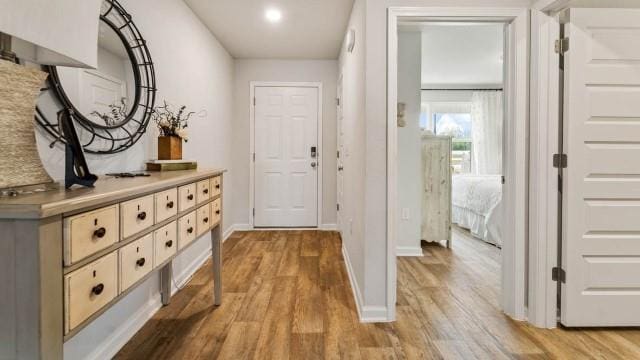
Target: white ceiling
column 309, row 29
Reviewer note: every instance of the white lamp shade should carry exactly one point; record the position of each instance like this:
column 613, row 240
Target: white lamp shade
column 53, row 32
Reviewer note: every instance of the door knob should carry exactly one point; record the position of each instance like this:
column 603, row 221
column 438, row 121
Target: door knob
column 313, row 164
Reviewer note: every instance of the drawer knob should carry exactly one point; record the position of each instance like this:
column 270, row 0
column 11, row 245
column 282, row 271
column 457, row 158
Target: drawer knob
column 169, row 243
column 142, row 215
column 100, row 233
column 190, row 197
column 170, row 204
column 97, row 290
column 218, row 212
column 140, row 262
column 190, row 230
column 217, row 186
column 206, row 220
column 206, row 191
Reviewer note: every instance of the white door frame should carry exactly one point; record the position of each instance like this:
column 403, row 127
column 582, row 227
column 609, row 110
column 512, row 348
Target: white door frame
column 252, row 119
column 514, row 299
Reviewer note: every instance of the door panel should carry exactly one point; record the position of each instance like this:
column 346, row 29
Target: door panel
column 286, row 177
column 601, row 196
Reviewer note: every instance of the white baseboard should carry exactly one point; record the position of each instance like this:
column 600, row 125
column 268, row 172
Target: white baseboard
column 328, row 227
column 119, row 338
column 409, row 251
column 366, row 313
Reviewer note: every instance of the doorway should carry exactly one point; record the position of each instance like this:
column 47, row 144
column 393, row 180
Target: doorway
column 514, row 188
column 285, row 154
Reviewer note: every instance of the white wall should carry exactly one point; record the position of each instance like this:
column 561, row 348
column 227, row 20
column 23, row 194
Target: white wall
column 409, row 145
column 324, row 71
column 464, row 55
column 368, row 249
column 192, row 68
column 352, row 67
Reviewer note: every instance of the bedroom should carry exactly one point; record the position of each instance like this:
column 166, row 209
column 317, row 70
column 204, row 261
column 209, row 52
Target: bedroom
column 450, row 144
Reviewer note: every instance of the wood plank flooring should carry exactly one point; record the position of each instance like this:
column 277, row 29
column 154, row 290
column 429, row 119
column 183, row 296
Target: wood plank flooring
column 286, row 295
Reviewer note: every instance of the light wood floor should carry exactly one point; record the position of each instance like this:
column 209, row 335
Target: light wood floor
column 287, row 295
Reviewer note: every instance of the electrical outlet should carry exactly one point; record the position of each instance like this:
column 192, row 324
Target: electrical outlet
column 405, row 214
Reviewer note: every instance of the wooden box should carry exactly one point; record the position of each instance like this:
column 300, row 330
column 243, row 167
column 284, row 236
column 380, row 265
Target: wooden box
column 169, row 148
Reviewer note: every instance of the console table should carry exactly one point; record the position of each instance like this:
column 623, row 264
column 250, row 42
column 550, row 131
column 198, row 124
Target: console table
column 66, row 256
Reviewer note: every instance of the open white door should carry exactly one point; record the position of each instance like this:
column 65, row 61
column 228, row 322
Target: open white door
column 601, row 195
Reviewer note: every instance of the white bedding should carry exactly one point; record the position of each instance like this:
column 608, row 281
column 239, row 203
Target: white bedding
column 476, row 205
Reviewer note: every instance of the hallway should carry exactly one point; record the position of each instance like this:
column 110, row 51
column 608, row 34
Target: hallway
column 287, row 295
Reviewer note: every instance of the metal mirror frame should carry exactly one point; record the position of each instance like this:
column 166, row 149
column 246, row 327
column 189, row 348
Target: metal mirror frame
column 105, row 139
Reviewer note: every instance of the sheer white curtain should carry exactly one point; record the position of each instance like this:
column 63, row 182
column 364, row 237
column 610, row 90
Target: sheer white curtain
column 486, row 119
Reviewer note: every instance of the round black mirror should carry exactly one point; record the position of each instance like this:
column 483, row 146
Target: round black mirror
column 112, row 104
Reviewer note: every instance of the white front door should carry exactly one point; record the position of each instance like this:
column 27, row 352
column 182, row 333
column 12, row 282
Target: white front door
column 286, row 157
column 601, row 194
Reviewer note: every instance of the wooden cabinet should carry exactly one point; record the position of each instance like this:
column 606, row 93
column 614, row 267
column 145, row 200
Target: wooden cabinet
column 135, row 261
column 82, row 251
column 436, row 192
column 166, row 204
column 203, row 219
column 88, row 289
column 186, row 230
column 88, row 233
column 216, row 211
column 165, row 243
column 186, row 197
column 136, row 215
column 216, row 186
column 203, row 189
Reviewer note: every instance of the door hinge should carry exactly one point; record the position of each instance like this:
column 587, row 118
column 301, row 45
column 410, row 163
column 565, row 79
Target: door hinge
column 503, row 180
column 254, row 101
column 338, row 101
column 560, row 161
column 254, row 212
column 561, row 46
column 254, row 157
column 560, row 183
column 558, row 274
column 338, row 154
column 338, row 207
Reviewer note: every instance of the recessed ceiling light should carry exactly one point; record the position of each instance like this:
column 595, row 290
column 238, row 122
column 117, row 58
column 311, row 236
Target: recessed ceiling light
column 273, row 15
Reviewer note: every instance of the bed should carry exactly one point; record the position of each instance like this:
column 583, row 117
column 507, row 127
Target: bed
column 476, row 205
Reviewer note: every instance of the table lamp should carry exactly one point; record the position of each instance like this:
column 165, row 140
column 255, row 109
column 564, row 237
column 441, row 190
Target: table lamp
column 40, row 32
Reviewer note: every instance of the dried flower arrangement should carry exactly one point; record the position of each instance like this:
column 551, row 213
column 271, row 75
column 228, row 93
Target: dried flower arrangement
column 116, row 115
column 170, row 122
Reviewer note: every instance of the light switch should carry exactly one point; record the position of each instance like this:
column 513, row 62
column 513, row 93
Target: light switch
column 405, row 214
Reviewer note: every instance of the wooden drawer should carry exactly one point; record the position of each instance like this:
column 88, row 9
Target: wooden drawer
column 203, row 189
column 88, row 289
column 216, row 211
column 90, row 232
column 135, row 261
column 186, row 230
column 203, row 218
column 187, row 197
column 166, row 203
column 136, row 215
column 165, row 243
column 216, row 186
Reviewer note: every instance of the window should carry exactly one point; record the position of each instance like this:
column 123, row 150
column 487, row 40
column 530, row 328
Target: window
column 458, row 126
